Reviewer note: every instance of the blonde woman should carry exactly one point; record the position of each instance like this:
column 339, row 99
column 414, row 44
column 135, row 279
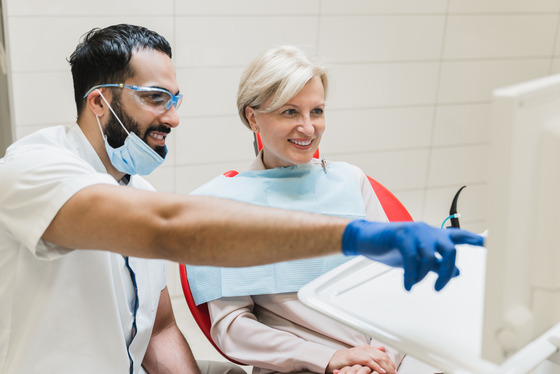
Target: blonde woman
column 256, row 316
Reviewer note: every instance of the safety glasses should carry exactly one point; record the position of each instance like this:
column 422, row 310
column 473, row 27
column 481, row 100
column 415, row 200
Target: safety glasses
column 158, row 100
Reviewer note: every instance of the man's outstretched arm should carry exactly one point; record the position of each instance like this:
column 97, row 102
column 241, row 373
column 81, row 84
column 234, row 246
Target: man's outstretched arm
column 202, row 230
column 196, row 230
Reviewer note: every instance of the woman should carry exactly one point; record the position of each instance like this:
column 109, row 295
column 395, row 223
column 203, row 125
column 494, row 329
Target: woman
column 256, row 320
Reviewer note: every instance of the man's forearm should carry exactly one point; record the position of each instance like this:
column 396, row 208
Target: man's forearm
column 168, row 351
column 174, row 355
column 227, row 233
column 190, row 229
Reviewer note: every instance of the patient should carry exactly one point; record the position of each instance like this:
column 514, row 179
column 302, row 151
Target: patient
column 256, row 316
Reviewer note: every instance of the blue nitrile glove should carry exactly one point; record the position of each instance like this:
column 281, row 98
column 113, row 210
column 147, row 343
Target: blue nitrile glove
column 415, row 246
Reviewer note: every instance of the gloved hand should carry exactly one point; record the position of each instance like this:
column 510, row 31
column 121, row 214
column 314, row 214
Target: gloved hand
column 414, row 246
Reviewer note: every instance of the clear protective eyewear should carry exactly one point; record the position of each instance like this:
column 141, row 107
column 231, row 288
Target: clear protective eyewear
column 157, row 99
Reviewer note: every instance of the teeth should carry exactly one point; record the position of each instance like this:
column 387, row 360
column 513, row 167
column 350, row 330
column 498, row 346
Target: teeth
column 157, row 136
column 301, row 142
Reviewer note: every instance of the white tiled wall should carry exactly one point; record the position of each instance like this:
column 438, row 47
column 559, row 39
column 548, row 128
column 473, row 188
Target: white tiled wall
column 409, row 99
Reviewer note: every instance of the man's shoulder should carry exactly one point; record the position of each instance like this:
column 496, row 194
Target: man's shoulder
column 55, row 137
column 54, row 152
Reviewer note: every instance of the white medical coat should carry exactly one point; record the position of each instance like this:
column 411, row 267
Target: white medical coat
column 64, row 311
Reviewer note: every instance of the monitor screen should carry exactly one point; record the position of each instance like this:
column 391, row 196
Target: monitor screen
column 522, row 292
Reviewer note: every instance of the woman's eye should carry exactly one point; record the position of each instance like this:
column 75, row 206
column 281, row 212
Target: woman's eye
column 289, row 112
column 317, row 111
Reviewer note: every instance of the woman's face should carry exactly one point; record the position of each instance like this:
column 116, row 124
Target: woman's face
column 291, row 134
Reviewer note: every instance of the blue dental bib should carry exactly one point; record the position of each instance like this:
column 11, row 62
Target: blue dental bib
column 304, row 188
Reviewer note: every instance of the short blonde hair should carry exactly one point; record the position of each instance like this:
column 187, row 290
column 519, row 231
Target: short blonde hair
column 274, row 77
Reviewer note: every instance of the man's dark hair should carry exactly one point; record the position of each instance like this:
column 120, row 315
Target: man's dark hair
column 103, row 56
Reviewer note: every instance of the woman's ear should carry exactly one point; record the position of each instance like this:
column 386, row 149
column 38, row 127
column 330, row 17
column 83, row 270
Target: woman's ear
column 251, row 118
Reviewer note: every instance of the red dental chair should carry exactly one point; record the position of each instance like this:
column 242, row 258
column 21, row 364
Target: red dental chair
column 393, row 208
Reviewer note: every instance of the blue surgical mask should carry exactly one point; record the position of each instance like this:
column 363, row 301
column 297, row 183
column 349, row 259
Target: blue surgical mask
column 134, row 156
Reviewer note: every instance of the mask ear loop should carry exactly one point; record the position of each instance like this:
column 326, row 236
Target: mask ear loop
column 112, row 111
column 100, row 129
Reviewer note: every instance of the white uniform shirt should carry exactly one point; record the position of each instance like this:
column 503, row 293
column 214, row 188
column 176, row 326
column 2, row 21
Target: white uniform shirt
column 64, row 311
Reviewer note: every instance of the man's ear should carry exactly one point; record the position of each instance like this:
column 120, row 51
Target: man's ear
column 250, row 115
column 96, row 103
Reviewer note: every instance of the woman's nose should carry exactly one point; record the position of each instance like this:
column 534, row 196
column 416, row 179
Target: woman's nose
column 306, row 126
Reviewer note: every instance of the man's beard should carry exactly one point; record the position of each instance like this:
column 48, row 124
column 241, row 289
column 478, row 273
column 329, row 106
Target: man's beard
column 116, row 134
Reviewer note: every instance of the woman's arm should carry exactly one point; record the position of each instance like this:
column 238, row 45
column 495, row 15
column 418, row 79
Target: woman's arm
column 238, row 333
column 374, row 209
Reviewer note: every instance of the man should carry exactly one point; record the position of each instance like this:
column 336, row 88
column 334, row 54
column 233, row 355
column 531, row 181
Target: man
column 80, row 289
